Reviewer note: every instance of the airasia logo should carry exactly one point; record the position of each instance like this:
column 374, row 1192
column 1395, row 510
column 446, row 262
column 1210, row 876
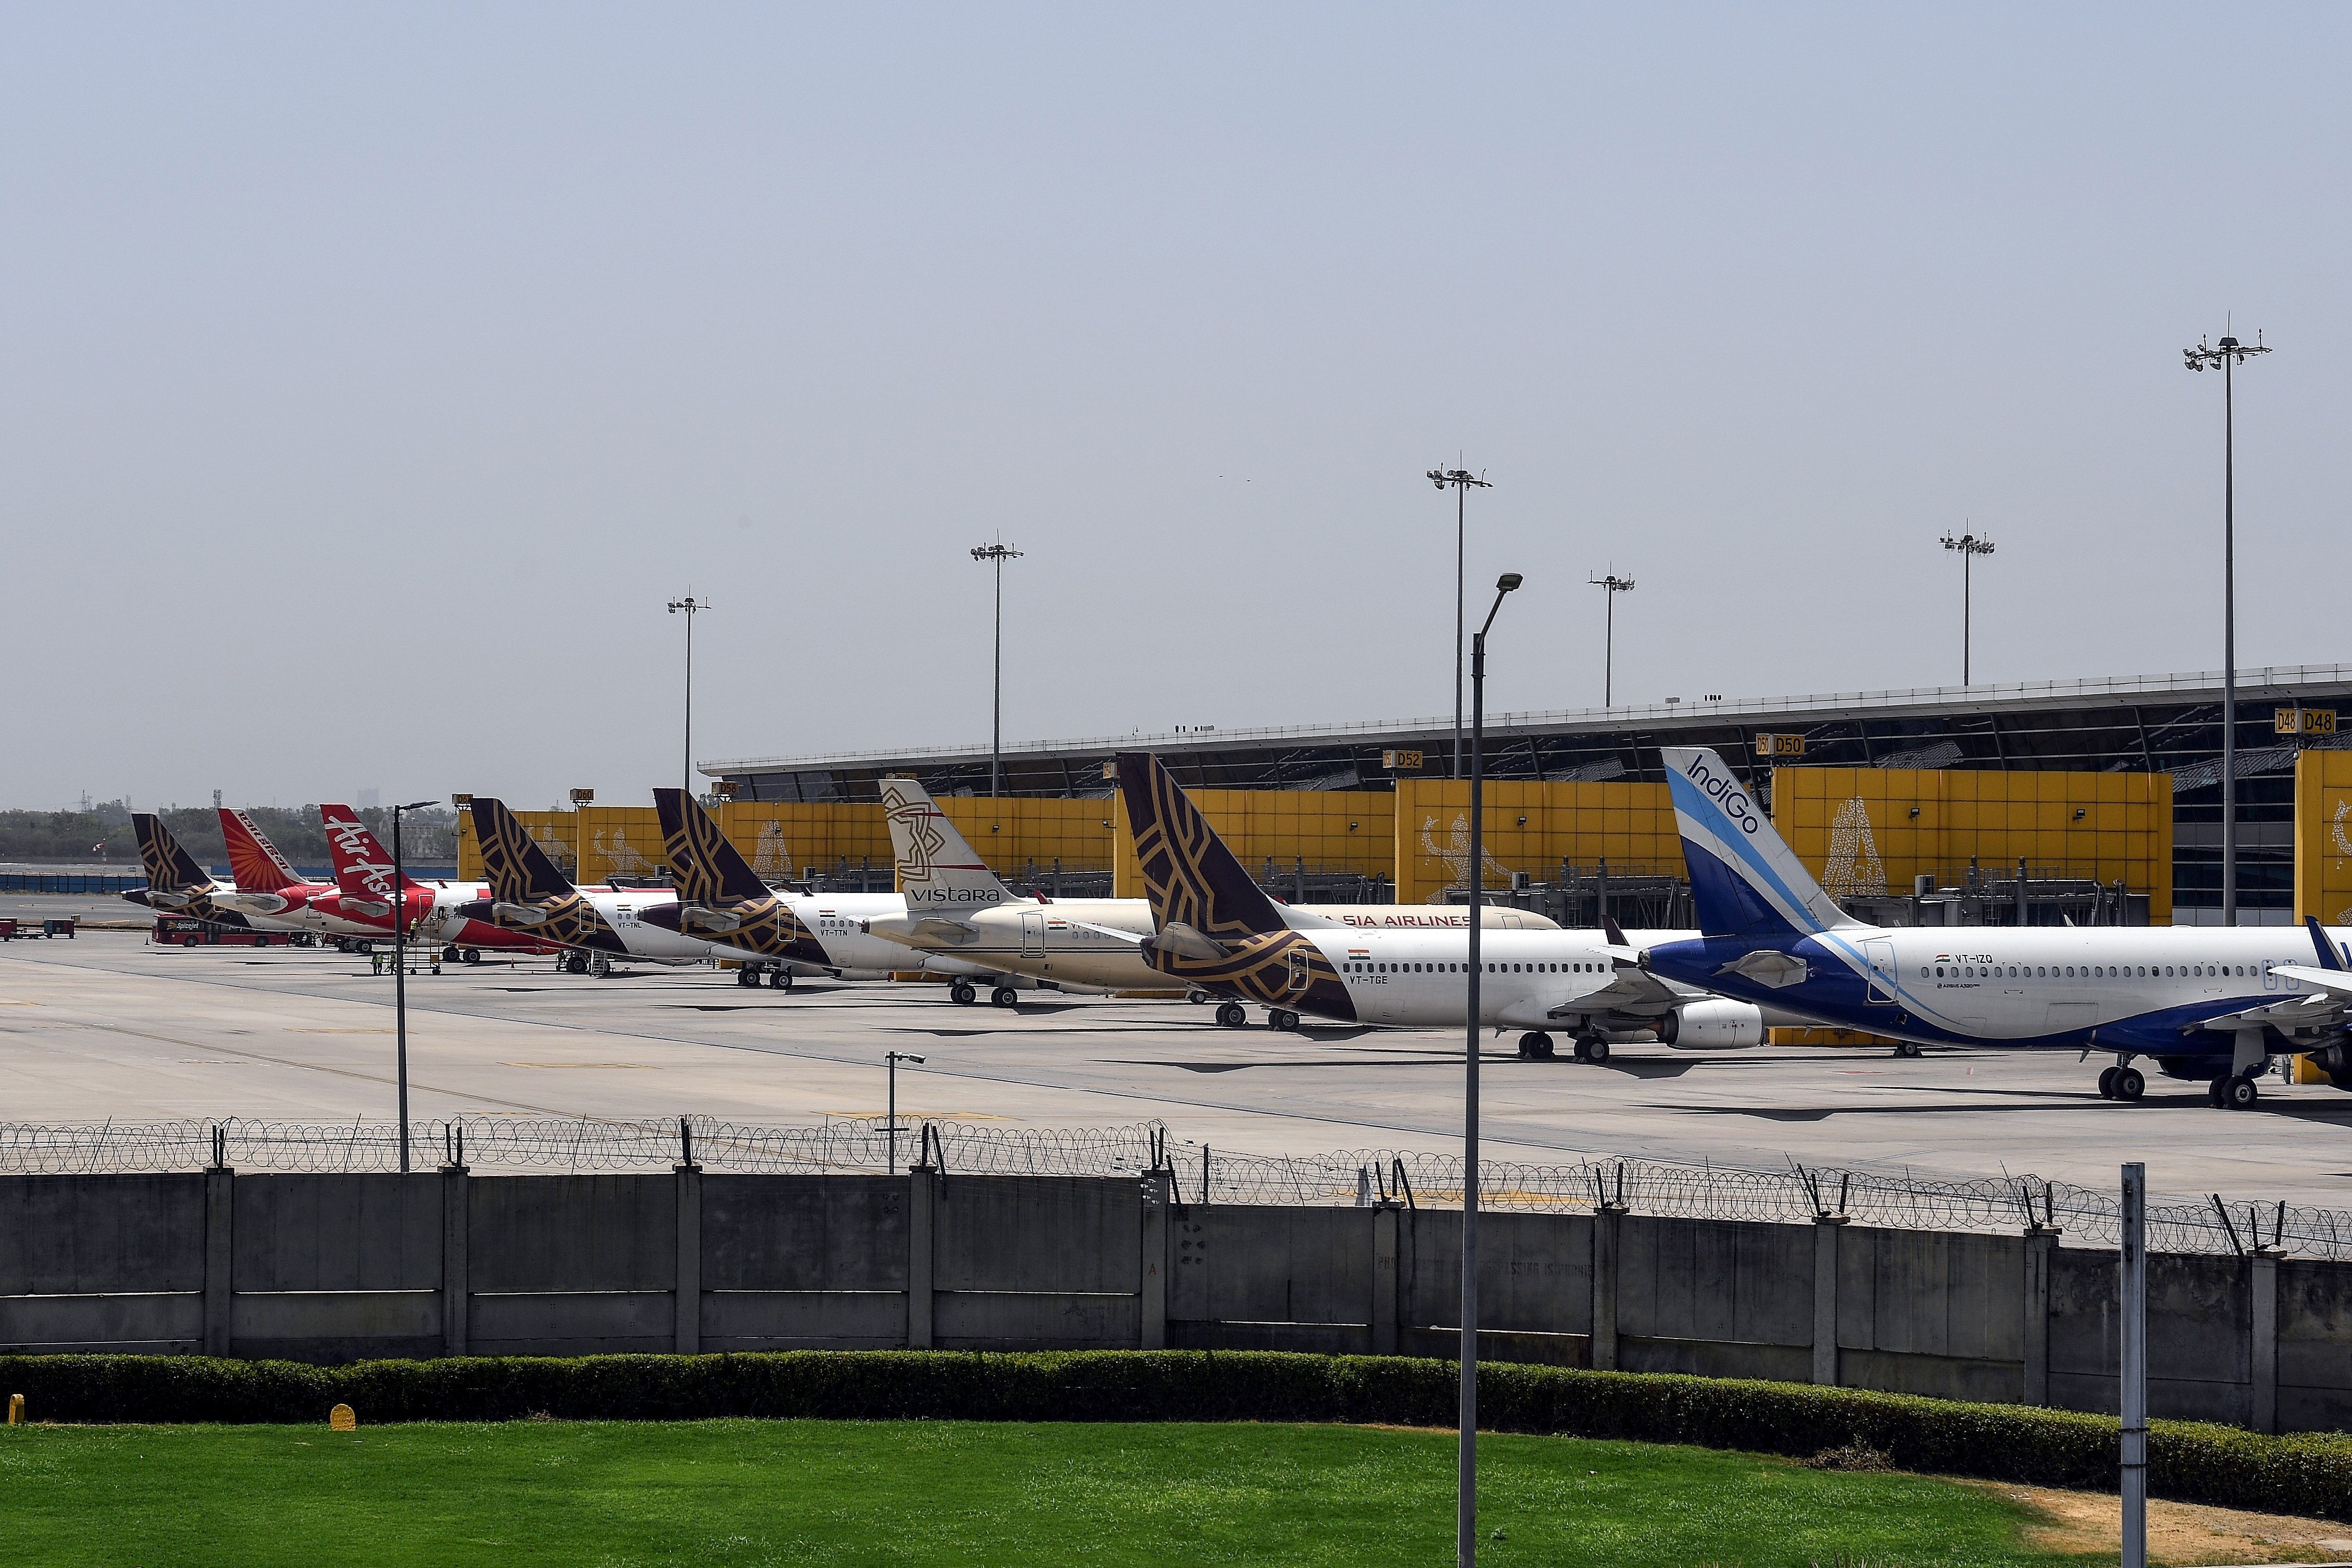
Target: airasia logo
column 351, row 839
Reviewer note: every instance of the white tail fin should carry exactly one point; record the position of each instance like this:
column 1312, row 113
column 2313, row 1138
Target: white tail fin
column 937, row 871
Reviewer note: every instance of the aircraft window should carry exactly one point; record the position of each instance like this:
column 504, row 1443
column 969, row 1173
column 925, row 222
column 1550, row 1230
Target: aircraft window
column 1923, row 971
column 2098, row 973
column 1939, row 971
column 2070, row 971
column 2167, row 969
column 2013, row 971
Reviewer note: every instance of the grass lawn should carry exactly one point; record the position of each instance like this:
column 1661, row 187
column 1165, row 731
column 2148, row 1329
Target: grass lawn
column 748, row 1492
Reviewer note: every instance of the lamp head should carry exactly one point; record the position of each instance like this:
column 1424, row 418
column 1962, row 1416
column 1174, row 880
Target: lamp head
column 416, row 804
column 1507, row 582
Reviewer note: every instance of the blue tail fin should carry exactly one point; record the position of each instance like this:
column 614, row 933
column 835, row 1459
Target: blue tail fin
column 1744, row 880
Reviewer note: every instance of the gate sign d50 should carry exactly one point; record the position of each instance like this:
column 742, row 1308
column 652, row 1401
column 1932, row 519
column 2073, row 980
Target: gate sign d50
column 1768, row 744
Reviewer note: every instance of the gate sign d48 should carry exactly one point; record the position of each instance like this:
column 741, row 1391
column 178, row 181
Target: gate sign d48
column 2303, row 721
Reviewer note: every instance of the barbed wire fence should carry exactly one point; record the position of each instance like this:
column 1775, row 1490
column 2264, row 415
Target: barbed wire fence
column 1186, row 1173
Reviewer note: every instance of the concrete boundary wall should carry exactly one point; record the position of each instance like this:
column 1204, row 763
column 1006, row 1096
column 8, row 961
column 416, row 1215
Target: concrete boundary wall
column 340, row 1267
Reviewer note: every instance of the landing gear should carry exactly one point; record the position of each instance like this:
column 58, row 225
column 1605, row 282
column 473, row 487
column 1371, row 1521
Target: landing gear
column 601, row 966
column 2234, row 1094
column 1232, row 1015
column 1591, row 1048
column 779, row 980
column 449, row 954
column 1535, row 1046
column 1282, row 1018
column 1199, row 997
column 2129, row 1084
column 470, row 954
column 2108, row 1083
column 963, row 992
column 1005, row 996
column 1909, row 1048
column 746, row 977
column 573, row 963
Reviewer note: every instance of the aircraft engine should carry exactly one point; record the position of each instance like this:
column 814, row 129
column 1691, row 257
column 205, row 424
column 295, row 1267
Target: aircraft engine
column 2335, row 1061
column 1713, row 1026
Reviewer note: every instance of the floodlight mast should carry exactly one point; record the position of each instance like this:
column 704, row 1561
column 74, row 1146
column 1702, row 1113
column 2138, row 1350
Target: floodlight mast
column 691, row 606
column 1970, row 546
column 1462, row 479
column 2227, row 356
column 1614, row 585
column 1465, row 1474
column 996, row 555
column 400, row 970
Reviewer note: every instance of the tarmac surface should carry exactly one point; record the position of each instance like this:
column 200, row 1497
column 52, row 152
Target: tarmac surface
column 107, row 1026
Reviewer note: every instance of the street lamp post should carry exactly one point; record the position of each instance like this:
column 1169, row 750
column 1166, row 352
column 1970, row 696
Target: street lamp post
column 2227, row 356
column 1613, row 585
column 1466, row 1518
column 400, row 970
column 891, row 1113
column 997, row 555
column 1462, row 479
column 1970, row 546
column 691, row 606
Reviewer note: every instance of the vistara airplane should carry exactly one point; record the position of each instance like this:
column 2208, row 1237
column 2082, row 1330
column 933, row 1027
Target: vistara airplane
column 957, row 907
column 784, row 934
column 2201, row 1002
column 529, row 896
column 1215, row 929
column 176, row 884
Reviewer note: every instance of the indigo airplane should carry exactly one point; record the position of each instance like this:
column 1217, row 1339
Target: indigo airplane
column 2198, row 1001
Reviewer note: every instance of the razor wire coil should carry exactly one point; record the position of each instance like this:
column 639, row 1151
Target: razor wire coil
column 1187, row 1174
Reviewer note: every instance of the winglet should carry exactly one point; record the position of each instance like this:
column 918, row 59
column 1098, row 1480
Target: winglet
column 2329, row 958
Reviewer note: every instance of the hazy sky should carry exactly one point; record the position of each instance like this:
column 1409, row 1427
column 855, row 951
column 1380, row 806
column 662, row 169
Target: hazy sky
column 369, row 379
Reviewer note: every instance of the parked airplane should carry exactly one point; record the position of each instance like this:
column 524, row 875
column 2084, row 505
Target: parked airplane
column 267, row 890
column 957, row 907
column 176, row 884
column 2200, row 1002
column 1218, row 931
column 529, row 896
column 433, row 911
column 722, row 900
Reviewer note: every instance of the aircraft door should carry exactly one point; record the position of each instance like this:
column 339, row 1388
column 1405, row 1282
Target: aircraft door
column 1032, row 936
column 1301, row 975
column 1880, row 957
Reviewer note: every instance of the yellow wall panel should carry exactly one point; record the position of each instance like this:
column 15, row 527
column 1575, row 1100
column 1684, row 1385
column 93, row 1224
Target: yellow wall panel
column 2323, row 836
column 1631, row 825
column 1873, row 844
column 1349, row 830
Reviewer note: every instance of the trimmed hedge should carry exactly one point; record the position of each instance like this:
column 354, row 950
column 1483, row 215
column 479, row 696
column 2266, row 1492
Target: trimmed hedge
column 2309, row 1474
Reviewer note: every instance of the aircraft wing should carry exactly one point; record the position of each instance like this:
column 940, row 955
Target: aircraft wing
column 1133, row 939
column 1630, row 989
column 2324, row 1009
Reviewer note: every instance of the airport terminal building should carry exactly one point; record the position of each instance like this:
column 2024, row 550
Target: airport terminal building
column 2168, row 725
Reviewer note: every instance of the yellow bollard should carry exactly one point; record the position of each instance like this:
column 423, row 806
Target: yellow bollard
column 343, row 1418
column 15, row 1409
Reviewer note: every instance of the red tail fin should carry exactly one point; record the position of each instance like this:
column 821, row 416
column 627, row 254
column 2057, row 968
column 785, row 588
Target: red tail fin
column 253, row 862
column 362, row 866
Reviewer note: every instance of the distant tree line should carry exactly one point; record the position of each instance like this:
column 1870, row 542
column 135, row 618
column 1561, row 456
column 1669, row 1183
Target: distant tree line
column 103, row 833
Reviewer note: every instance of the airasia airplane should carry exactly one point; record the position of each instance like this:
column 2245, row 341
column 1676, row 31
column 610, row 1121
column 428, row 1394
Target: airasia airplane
column 432, row 911
column 268, row 892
